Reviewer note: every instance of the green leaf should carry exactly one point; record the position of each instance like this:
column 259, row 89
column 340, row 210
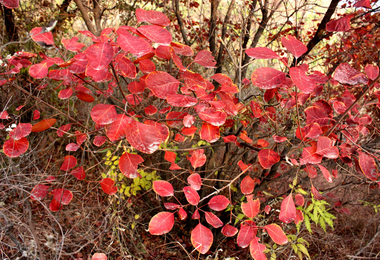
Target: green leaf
column 303, row 249
column 302, row 241
column 292, row 237
column 307, row 223
column 295, row 248
column 309, row 208
column 322, row 223
column 329, row 222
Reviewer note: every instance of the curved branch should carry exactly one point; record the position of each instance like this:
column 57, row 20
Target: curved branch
column 180, row 22
column 320, row 33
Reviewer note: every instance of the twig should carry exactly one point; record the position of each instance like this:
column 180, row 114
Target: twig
column 340, row 118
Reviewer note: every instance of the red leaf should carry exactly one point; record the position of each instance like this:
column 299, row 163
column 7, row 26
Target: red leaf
column 279, row 139
column 312, row 172
column 153, row 17
column 372, row 71
column 242, row 165
column 304, row 82
column 161, row 223
column 171, row 206
column 137, row 136
column 156, row 34
column 309, row 155
column 368, row 166
column 108, row 186
column 205, row 59
column 55, row 205
column 267, row 209
column 198, row 158
column 218, row 203
column 277, row 234
column 317, row 115
column 268, row 78
column 43, row 125
column 192, row 195
column 346, row 74
column 39, row 36
column 229, row 138
column 65, row 93
column 178, row 100
column 85, row 97
column 247, row 185
column 99, row 256
column 150, row 110
column 339, row 25
column 62, row 196
column 162, row 84
column 246, row 234
column 213, row 116
column 65, row 128
column 11, row 3
column 309, row 131
column 135, row 45
column 170, row 156
column 68, row 163
column 72, row 147
column 163, row 188
column 299, row 218
column 39, row 192
column 22, row 130
column 117, row 129
column 317, row 195
column 201, row 238
column 293, row 45
column 126, row 68
column 72, row 44
column 213, row 220
column 188, row 121
column 326, row 149
column 251, row 208
column 209, row 132
column 262, row 143
column 99, row 140
column 36, row 115
column 257, row 250
column 261, row 53
column 196, row 215
column 268, row 158
column 300, row 200
column 99, row 55
column 189, row 131
column 128, row 164
column 4, row 115
column 195, row 181
column 147, row 66
column 288, row 210
column 229, row 231
column 182, row 49
column 325, row 173
column 363, row 3
column 103, row 114
column 194, row 81
column 182, row 214
column 79, row 173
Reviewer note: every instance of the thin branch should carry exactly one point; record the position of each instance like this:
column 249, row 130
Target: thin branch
column 180, row 22
column 85, row 17
column 340, row 118
column 219, row 60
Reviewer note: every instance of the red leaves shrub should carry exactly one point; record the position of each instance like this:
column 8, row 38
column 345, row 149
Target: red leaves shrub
column 192, row 110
